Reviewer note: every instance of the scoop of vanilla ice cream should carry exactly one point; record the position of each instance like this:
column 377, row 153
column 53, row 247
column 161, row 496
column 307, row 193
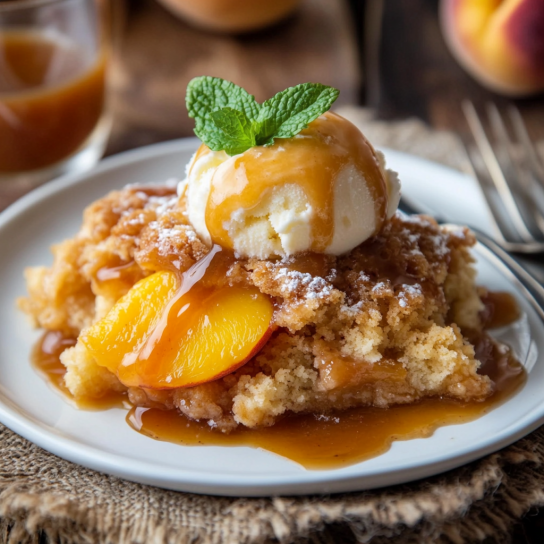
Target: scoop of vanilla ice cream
column 354, row 211
column 197, row 185
column 325, row 190
column 280, row 225
column 393, row 185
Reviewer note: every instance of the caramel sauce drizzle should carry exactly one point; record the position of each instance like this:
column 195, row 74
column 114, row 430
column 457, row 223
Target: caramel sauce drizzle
column 160, row 347
column 108, row 273
column 335, row 440
column 312, row 159
column 154, row 341
column 500, row 310
column 116, row 280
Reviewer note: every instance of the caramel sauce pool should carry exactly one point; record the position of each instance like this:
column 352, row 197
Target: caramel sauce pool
column 46, row 361
column 319, row 441
column 501, row 309
column 341, row 439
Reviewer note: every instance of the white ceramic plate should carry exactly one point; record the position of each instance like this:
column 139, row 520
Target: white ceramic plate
column 103, row 441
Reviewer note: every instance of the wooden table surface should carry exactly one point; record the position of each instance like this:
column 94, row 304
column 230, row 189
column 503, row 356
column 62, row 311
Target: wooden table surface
column 418, row 77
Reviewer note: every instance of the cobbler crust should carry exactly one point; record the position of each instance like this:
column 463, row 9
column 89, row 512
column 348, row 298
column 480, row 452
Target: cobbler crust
column 381, row 325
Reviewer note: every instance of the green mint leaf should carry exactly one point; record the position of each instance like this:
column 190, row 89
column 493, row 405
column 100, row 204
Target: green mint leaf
column 289, row 112
column 206, row 95
column 235, row 133
column 228, row 118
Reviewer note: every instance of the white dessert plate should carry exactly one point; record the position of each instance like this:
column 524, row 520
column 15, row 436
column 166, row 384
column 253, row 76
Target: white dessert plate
column 104, row 442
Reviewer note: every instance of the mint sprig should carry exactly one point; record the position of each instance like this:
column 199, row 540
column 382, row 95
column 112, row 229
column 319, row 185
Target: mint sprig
column 228, row 118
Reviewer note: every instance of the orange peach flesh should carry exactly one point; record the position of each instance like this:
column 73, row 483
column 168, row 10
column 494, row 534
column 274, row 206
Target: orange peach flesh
column 169, row 332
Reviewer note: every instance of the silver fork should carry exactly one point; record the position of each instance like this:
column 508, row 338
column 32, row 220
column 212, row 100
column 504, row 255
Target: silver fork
column 510, row 173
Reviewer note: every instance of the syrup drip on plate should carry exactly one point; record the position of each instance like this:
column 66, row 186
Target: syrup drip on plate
column 500, row 310
column 46, row 361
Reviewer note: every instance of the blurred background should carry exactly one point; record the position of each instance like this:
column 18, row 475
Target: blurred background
column 159, row 51
column 397, row 59
column 391, row 56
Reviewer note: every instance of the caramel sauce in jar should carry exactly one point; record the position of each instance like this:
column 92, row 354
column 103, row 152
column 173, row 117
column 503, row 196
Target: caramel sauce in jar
column 315, row 441
column 312, row 161
column 51, row 99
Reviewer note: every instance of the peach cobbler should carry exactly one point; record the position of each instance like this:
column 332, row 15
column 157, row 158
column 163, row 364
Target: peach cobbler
column 276, row 278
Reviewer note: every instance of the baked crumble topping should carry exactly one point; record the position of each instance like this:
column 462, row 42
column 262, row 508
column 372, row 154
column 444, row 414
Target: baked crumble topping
column 379, row 326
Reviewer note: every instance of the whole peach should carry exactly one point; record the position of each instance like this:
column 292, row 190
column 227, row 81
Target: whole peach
column 499, row 42
column 231, row 15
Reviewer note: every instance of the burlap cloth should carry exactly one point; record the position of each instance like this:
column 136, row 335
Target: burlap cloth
column 46, row 499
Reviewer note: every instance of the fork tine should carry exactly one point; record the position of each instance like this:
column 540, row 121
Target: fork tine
column 495, row 171
column 499, row 130
column 535, row 162
column 501, row 228
column 514, row 168
column 503, row 147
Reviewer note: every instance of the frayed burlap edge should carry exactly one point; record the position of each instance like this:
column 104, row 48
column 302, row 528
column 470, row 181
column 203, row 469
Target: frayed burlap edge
column 46, row 499
column 64, row 503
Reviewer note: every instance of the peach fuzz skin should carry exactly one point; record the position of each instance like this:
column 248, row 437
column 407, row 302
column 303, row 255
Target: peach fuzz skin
column 499, row 42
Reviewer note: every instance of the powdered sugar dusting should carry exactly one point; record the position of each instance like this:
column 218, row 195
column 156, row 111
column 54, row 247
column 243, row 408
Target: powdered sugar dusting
column 421, row 220
column 381, row 288
column 168, row 237
column 456, row 230
column 295, row 282
column 408, row 293
column 163, row 204
column 324, row 417
column 439, row 241
column 140, row 219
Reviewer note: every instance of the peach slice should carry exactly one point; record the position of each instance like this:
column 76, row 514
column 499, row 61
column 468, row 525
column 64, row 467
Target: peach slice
column 167, row 334
column 130, row 320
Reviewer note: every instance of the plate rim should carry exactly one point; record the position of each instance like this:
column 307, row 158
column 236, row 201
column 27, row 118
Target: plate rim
column 328, row 481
